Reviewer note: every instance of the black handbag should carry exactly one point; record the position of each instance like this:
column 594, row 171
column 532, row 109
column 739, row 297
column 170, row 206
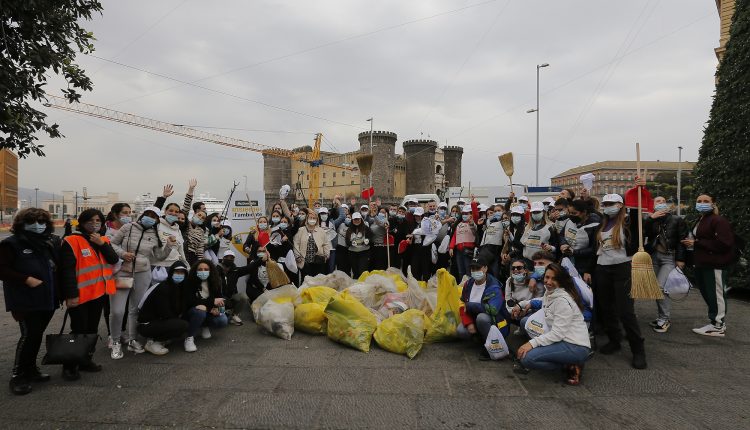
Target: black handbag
column 69, row 348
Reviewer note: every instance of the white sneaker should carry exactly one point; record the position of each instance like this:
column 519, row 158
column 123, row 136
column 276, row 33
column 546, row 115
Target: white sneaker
column 135, row 346
column 235, row 320
column 206, row 333
column 711, row 330
column 155, row 347
column 116, row 352
column 190, row 344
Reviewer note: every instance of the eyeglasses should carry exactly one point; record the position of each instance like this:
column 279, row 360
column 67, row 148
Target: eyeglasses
column 517, row 268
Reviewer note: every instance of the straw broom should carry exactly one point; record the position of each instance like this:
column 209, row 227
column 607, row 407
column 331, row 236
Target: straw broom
column 643, row 284
column 276, row 275
column 364, row 161
column 506, row 162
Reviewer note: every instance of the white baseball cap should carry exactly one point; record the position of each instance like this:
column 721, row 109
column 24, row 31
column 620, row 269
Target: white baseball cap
column 466, row 209
column 412, row 200
column 516, row 210
column 228, row 253
column 153, row 209
column 549, row 201
column 523, row 199
column 364, row 207
column 344, row 206
column 323, row 210
column 442, row 205
column 612, row 198
column 419, row 211
column 356, row 215
column 460, row 201
column 483, row 208
column 537, row 207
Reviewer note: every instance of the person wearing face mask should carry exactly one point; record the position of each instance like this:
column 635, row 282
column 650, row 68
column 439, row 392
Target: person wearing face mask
column 312, row 245
column 261, row 234
column 539, row 234
column 380, row 247
column 358, row 239
column 578, row 238
column 342, row 250
column 29, row 261
column 330, row 221
column 230, row 273
column 481, row 304
column 463, row 242
column 663, row 232
column 411, row 205
column 513, row 248
column 213, row 239
column 523, row 203
column 159, row 311
column 280, row 245
column 119, row 215
column 197, row 237
column 491, row 240
column 367, row 216
column 300, row 220
column 566, row 344
column 548, row 203
column 617, row 241
column 167, row 228
column 559, row 214
column 713, row 243
column 444, row 235
column 225, row 241
column 517, row 288
column 203, row 305
column 399, row 228
column 168, row 191
column 138, row 244
column 86, row 280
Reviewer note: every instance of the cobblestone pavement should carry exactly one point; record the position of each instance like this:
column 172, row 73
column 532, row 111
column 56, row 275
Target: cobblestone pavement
column 242, row 378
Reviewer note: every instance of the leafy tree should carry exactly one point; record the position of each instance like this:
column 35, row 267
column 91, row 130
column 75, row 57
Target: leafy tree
column 725, row 152
column 665, row 185
column 39, row 35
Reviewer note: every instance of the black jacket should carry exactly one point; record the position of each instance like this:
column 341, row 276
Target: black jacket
column 25, row 255
column 672, row 229
column 191, row 292
column 229, row 276
column 162, row 301
column 68, row 278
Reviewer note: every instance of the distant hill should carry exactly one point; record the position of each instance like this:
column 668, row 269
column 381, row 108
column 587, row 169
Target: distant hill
column 29, row 194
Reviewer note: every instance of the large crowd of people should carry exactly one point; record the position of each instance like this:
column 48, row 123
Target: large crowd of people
column 553, row 272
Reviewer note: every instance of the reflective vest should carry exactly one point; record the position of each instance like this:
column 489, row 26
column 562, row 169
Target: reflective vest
column 93, row 274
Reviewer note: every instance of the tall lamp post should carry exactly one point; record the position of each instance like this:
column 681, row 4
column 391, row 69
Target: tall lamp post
column 36, row 197
column 371, row 121
column 679, row 181
column 538, row 66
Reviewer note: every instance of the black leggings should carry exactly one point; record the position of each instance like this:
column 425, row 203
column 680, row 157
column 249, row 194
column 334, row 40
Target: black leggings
column 32, row 325
column 359, row 261
column 164, row 329
column 613, row 294
column 84, row 318
column 342, row 259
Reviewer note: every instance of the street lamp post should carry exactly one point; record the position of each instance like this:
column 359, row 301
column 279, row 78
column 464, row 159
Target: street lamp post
column 538, row 66
column 371, row 121
column 36, row 197
column 679, row 181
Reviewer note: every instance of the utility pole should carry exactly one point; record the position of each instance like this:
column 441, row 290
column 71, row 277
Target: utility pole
column 679, row 181
column 369, row 180
column 36, row 197
column 538, row 66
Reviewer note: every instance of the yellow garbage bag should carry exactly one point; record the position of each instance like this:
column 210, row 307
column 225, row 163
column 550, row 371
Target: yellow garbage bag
column 446, row 317
column 317, row 294
column 402, row 333
column 311, row 318
column 397, row 279
column 350, row 322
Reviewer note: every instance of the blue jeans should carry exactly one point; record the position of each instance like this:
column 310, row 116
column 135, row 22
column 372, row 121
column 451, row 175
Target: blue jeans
column 332, row 261
column 198, row 318
column 462, row 262
column 555, row 356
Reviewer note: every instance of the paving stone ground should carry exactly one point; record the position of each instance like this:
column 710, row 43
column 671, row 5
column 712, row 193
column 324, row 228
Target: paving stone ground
column 242, row 378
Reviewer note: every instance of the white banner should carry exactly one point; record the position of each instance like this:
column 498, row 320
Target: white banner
column 244, row 210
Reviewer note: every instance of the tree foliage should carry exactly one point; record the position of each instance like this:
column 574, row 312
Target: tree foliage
column 39, row 35
column 725, row 151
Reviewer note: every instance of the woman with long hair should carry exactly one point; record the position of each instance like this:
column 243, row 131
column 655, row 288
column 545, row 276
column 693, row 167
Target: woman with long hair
column 28, row 269
column 312, row 244
column 203, row 302
column 539, row 234
column 358, row 238
column 713, row 244
column 566, row 345
column 616, row 242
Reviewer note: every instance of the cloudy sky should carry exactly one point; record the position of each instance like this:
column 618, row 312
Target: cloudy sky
column 462, row 72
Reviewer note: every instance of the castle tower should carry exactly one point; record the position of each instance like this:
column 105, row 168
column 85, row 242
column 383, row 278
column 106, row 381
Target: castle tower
column 452, row 156
column 420, row 166
column 383, row 161
column 277, row 171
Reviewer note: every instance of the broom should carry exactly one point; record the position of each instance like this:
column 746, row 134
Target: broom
column 643, row 284
column 364, row 161
column 276, row 275
column 506, row 162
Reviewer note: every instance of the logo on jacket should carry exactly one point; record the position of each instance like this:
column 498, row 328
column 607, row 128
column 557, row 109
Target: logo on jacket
column 86, row 252
column 28, row 251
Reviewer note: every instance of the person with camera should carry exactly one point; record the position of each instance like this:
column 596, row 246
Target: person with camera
column 482, row 301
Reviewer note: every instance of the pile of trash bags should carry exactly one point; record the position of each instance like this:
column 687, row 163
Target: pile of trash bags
column 399, row 312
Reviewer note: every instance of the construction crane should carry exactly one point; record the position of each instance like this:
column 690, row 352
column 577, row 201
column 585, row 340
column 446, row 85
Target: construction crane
column 313, row 159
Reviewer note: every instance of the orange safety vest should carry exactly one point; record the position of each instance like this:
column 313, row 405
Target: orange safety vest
column 93, row 273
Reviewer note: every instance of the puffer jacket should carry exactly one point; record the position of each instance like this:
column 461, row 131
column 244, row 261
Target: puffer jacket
column 177, row 253
column 672, row 228
column 151, row 247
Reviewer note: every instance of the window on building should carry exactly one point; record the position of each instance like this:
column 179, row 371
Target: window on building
column 352, row 182
column 438, row 169
column 51, row 209
column 343, row 173
column 334, row 183
column 324, row 184
column 308, row 177
column 334, row 174
column 324, row 174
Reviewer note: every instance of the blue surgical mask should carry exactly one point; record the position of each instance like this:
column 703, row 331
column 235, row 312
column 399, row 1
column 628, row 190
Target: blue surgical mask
column 506, row 224
column 516, row 219
column 381, row 217
column 704, row 207
column 412, row 209
column 465, row 217
column 324, row 217
column 178, row 278
column 301, row 217
column 478, row 276
column 661, row 207
column 171, row 218
column 262, row 225
column 496, row 217
column 261, row 254
column 148, row 222
column 537, row 217
column 203, row 274
column 35, row 228
column 400, row 216
column 275, row 220
column 519, row 277
column 461, row 207
column 392, row 213
column 523, row 206
column 539, row 270
column 611, row 210
column 125, row 220
column 283, row 225
column 442, row 212
column 348, row 221
column 197, row 221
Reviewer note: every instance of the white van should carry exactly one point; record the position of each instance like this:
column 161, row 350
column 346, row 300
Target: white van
column 421, row 198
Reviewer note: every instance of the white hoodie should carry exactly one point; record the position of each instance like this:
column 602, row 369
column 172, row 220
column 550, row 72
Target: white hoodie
column 178, row 252
column 564, row 319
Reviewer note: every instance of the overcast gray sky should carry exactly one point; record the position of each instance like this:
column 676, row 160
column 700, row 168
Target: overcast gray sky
column 462, row 72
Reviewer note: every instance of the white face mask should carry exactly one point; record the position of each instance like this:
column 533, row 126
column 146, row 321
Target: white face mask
column 312, row 221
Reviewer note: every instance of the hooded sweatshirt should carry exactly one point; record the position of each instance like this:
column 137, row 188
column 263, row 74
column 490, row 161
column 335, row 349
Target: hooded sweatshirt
column 565, row 320
column 177, row 253
column 163, row 300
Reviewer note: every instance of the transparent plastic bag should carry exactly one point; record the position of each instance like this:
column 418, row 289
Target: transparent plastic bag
column 445, row 319
column 677, row 284
column 287, row 293
column 278, row 318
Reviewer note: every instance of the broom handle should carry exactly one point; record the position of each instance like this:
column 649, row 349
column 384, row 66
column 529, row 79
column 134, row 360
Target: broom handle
column 640, row 210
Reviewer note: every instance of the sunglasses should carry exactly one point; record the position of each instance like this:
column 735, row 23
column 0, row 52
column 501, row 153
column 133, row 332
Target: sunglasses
column 517, row 268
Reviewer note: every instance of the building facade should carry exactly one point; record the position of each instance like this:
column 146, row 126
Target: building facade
column 726, row 12
column 615, row 177
column 8, row 183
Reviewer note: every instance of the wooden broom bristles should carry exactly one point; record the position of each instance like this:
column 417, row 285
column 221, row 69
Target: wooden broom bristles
column 276, row 275
column 364, row 161
column 506, row 162
column 644, row 285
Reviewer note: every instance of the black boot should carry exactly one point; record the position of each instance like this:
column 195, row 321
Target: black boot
column 36, row 375
column 70, row 373
column 20, row 385
column 639, row 355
